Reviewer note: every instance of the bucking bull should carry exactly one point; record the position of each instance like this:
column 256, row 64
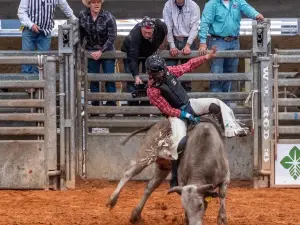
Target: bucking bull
column 202, row 169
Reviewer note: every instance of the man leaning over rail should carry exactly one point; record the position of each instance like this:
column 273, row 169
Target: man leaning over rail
column 37, row 22
column 99, row 28
column 221, row 19
column 182, row 18
column 143, row 40
column 165, row 91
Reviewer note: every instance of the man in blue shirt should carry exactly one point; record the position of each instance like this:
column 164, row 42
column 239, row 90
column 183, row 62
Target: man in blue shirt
column 221, row 19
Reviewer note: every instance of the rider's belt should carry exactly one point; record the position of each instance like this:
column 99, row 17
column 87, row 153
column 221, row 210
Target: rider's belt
column 228, row 38
column 180, row 38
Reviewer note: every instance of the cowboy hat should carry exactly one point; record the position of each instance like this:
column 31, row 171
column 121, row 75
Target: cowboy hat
column 87, row 2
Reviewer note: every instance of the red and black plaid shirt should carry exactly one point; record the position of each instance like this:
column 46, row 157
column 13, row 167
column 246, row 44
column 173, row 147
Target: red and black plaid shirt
column 154, row 94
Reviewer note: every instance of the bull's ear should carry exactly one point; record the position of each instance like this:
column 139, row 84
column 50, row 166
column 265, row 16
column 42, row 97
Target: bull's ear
column 203, row 188
column 176, row 189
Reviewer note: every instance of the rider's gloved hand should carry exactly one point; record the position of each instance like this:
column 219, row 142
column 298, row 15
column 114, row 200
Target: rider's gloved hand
column 195, row 120
column 186, row 115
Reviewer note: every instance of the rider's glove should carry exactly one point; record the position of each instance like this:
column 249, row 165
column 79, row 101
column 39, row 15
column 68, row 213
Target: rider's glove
column 191, row 119
column 195, row 120
column 185, row 115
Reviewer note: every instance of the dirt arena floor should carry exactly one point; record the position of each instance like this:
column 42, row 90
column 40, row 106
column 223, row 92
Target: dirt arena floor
column 86, row 206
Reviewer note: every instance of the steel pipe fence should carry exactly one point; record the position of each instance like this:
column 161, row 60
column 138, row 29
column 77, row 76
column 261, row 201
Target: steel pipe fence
column 37, row 123
column 286, row 107
column 37, row 113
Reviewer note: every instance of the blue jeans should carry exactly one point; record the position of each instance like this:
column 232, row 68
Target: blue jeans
column 108, row 66
column 223, row 65
column 32, row 41
column 180, row 44
column 130, row 85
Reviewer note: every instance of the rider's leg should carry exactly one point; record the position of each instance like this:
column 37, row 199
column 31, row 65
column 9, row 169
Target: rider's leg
column 178, row 127
column 203, row 105
column 178, row 137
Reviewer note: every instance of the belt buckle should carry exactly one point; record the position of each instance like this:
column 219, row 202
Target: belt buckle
column 179, row 38
column 229, row 39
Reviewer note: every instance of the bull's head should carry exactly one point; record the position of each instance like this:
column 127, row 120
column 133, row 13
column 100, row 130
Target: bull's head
column 194, row 201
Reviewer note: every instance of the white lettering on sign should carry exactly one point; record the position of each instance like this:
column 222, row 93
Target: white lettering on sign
column 266, row 114
column 266, row 79
column 266, row 73
column 266, row 155
column 266, row 122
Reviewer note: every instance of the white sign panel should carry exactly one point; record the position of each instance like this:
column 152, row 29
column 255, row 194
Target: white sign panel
column 287, row 165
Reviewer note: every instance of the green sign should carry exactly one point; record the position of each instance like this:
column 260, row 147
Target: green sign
column 292, row 162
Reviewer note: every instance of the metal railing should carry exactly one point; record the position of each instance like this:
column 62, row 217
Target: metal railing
column 61, row 165
column 39, row 121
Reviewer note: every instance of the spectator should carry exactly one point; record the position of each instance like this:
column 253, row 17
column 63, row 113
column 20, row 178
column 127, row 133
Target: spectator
column 182, row 18
column 99, row 28
column 143, row 40
column 221, row 19
column 37, row 22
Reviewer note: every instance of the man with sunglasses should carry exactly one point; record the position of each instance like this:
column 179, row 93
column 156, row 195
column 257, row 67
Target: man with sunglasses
column 165, row 92
column 143, row 40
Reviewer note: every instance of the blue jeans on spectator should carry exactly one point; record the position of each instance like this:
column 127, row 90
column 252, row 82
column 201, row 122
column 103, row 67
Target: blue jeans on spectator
column 223, row 65
column 108, row 66
column 32, row 41
column 130, row 85
column 180, row 44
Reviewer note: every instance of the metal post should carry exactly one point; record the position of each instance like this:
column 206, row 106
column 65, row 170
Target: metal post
column 255, row 112
column 79, row 118
column 86, row 88
column 263, row 136
column 72, row 117
column 67, row 116
column 62, row 124
column 50, row 117
column 276, row 135
column 266, row 113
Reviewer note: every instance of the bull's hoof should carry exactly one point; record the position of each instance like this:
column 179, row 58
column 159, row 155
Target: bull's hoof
column 135, row 216
column 111, row 203
column 222, row 220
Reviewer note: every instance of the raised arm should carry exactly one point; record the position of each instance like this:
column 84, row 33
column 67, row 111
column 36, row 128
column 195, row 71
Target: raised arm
column 192, row 63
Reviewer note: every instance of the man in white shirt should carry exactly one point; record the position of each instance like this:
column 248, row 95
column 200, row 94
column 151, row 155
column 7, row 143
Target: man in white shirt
column 182, row 18
column 36, row 17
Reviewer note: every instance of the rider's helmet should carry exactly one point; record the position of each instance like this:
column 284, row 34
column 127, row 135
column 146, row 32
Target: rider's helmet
column 155, row 66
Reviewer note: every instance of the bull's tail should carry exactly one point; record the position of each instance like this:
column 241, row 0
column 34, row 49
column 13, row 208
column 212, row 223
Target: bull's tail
column 136, row 132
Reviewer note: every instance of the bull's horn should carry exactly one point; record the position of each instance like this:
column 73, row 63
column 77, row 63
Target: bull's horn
column 176, row 189
column 206, row 187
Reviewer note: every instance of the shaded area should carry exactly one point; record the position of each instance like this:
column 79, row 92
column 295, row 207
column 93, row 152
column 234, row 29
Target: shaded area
column 86, row 205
